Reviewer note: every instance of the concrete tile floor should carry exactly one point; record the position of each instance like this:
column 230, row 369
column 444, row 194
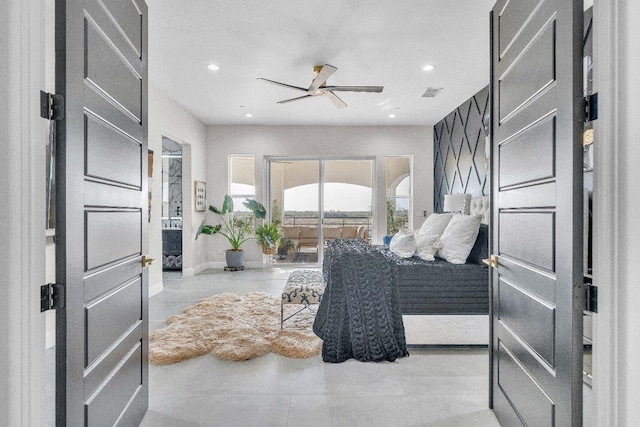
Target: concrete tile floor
column 428, row 388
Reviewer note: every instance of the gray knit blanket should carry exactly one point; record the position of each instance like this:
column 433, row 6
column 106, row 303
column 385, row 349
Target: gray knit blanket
column 359, row 315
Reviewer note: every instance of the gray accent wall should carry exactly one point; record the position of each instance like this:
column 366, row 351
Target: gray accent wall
column 460, row 150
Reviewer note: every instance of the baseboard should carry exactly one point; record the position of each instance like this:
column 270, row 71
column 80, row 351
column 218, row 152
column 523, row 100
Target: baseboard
column 200, row 268
column 50, row 338
column 219, row 265
column 156, row 289
column 447, row 346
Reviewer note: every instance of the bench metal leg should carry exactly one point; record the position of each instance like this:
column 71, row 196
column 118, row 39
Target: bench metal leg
column 282, row 320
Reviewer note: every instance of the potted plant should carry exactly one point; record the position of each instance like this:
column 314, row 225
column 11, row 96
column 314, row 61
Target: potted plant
column 267, row 235
column 284, row 245
column 236, row 228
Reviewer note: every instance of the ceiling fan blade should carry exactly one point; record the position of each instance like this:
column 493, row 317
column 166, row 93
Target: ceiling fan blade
column 282, row 84
column 376, row 89
column 295, row 99
column 339, row 103
column 326, row 71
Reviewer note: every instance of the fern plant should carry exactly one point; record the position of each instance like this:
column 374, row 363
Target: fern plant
column 268, row 234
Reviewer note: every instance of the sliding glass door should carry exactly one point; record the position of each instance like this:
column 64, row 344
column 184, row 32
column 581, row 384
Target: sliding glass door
column 318, row 200
column 348, row 198
column 295, row 201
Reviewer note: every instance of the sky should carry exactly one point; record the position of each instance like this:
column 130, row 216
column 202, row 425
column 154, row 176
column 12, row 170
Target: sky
column 337, row 197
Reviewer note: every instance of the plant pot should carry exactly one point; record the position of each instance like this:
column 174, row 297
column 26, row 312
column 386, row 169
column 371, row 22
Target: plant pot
column 235, row 259
column 283, row 253
column 269, row 250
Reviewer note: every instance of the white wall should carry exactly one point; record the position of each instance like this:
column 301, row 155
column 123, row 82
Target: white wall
column 261, row 141
column 167, row 118
column 49, row 86
column 616, row 371
column 22, row 196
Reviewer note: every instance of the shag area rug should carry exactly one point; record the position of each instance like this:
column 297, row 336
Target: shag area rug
column 230, row 327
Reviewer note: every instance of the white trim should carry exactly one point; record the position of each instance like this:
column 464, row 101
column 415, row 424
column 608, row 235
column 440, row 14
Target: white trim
column 50, row 339
column 201, row 267
column 155, row 289
column 616, row 341
column 23, row 136
column 188, row 213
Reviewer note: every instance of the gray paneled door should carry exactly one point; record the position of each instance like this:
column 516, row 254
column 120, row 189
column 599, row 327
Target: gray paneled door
column 101, row 228
column 537, row 212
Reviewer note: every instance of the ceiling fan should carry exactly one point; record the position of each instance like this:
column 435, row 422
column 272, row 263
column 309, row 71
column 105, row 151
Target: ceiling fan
column 319, row 87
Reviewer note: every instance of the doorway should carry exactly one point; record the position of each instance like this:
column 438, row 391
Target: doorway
column 588, row 171
column 603, row 171
column 320, row 200
column 172, row 205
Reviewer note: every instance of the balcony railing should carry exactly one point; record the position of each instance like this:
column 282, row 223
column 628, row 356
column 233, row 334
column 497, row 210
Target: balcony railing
column 329, row 221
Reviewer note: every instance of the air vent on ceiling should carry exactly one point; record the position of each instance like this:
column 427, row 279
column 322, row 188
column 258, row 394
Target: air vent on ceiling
column 431, row 92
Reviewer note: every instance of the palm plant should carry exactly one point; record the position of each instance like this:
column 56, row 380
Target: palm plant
column 237, row 228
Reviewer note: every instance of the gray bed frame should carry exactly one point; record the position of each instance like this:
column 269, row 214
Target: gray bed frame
column 438, row 287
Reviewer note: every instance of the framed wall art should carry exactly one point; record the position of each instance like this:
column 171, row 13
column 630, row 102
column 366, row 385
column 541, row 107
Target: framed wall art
column 200, row 196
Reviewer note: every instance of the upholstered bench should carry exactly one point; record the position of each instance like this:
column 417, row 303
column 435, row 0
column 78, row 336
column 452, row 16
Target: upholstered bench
column 304, row 287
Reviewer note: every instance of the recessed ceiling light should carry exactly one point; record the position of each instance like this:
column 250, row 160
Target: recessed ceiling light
column 428, row 67
column 392, row 115
column 248, row 115
column 213, row 67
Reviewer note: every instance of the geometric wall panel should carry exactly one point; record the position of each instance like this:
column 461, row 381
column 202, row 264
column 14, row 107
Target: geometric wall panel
column 459, row 157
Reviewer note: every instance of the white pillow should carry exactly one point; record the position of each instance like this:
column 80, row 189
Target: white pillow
column 458, row 238
column 403, row 244
column 435, row 224
column 427, row 246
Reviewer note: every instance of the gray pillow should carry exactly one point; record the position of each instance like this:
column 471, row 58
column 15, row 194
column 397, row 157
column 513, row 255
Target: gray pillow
column 480, row 248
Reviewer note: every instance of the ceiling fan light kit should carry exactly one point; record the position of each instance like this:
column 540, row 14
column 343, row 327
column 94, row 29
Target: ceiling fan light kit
column 319, row 87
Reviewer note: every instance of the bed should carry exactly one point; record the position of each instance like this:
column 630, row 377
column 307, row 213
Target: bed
column 368, row 289
column 438, row 287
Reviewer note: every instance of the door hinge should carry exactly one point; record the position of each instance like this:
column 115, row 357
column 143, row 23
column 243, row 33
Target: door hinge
column 51, row 297
column 590, row 107
column 590, row 296
column 51, row 106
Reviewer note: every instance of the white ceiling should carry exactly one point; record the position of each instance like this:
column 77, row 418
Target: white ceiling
column 371, row 42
